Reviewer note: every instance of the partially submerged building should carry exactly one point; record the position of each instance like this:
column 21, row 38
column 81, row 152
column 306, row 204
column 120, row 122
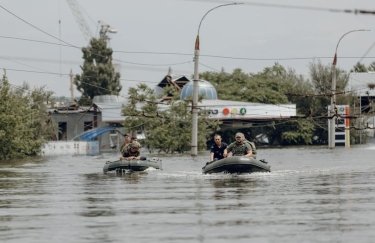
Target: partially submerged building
column 103, row 122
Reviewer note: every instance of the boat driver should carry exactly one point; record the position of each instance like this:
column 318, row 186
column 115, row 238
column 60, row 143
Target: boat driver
column 132, row 151
column 239, row 147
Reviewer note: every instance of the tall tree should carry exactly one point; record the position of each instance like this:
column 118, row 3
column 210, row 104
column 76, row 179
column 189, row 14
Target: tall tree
column 98, row 73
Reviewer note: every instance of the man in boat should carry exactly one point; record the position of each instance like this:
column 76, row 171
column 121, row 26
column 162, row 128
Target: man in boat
column 239, row 147
column 127, row 141
column 132, row 151
column 217, row 149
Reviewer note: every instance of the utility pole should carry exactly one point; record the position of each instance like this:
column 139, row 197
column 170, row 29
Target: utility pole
column 194, row 106
column 332, row 114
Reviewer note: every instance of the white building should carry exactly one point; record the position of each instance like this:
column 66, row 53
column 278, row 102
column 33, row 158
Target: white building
column 236, row 113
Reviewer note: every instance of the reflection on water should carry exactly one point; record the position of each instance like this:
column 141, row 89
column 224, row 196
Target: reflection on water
column 311, row 195
column 234, row 187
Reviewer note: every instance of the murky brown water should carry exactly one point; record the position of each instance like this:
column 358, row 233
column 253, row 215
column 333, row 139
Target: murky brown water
column 311, row 195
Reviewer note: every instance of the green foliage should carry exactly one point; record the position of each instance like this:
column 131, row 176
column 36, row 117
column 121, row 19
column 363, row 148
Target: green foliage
column 270, row 86
column 23, row 121
column 167, row 126
column 361, row 68
column 98, row 73
column 299, row 132
column 321, row 77
column 274, row 85
column 371, row 67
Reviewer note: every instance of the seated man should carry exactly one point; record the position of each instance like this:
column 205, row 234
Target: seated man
column 239, row 147
column 127, row 142
column 217, row 149
column 132, row 151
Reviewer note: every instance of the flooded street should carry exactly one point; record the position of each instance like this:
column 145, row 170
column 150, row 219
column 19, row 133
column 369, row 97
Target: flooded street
column 313, row 194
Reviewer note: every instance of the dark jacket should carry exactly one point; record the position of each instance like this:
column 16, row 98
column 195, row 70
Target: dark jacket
column 218, row 151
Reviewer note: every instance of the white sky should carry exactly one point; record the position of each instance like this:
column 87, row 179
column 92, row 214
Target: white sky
column 254, row 36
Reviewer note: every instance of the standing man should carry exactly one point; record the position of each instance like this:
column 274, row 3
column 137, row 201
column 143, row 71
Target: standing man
column 217, row 149
column 239, row 147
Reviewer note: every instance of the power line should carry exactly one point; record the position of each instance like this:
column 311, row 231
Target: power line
column 65, row 74
column 117, row 60
column 355, row 11
column 69, row 44
column 34, row 26
column 186, row 54
column 296, row 7
column 37, row 41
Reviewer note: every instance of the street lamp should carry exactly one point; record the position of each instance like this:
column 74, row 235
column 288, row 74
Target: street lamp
column 194, row 130
column 332, row 110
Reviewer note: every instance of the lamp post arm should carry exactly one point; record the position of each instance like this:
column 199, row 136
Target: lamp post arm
column 338, row 43
column 212, row 9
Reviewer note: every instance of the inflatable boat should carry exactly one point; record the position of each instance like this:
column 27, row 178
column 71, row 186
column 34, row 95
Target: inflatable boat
column 236, row 165
column 132, row 165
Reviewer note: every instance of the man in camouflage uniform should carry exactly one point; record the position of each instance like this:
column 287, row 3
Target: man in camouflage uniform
column 132, row 151
column 239, row 147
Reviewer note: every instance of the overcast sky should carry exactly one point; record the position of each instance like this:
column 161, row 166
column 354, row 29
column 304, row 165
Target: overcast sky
column 154, row 35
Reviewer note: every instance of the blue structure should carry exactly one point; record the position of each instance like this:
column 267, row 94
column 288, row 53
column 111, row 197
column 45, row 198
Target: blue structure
column 92, row 134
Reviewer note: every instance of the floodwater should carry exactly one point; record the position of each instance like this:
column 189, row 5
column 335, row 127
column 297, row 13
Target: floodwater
column 313, row 194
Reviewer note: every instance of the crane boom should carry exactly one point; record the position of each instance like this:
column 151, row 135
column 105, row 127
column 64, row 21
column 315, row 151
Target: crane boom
column 83, row 26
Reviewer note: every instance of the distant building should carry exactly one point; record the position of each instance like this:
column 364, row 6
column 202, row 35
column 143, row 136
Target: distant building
column 177, row 82
column 104, row 121
column 72, row 121
column 236, row 113
column 362, row 85
column 86, row 124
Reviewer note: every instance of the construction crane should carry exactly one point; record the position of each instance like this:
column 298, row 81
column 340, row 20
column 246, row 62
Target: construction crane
column 105, row 29
column 83, row 26
column 87, row 33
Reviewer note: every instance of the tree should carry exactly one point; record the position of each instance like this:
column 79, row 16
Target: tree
column 24, row 122
column 269, row 86
column 321, row 78
column 274, row 85
column 359, row 68
column 167, row 126
column 98, row 73
column 371, row 67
